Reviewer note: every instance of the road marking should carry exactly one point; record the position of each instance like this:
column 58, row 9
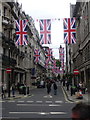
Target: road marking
column 10, row 118
column 20, row 101
column 48, row 101
column 2, row 101
column 52, row 105
column 58, row 101
column 28, row 105
column 57, row 113
column 38, row 101
column 47, row 96
column 41, row 113
column 44, row 113
column 30, row 101
column 11, row 101
column 24, row 112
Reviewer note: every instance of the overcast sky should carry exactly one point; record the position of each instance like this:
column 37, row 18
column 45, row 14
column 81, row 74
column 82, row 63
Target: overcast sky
column 49, row 9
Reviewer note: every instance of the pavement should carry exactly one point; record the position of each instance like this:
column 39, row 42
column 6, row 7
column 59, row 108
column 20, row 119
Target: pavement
column 17, row 95
column 73, row 98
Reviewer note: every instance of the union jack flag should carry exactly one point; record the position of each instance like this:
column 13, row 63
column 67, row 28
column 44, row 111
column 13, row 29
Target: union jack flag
column 36, row 55
column 58, row 70
column 45, row 31
column 54, row 63
column 21, row 32
column 61, row 51
column 69, row 30
column 49, row 55
column 54, row 66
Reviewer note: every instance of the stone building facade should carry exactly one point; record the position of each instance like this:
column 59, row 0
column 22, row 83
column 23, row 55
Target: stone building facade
column 81, row 50
column 19, row 58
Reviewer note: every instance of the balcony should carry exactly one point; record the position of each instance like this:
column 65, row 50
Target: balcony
column 6, row 61
column 21, row 54
column 7, row 41
column 11, row 4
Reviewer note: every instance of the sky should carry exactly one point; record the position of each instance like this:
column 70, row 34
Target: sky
column 49, row 9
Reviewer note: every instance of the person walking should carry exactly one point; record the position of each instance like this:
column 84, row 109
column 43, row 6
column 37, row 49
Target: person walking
column 55, row 88
column 3, row 91
column 13, row 90
column 48, row 87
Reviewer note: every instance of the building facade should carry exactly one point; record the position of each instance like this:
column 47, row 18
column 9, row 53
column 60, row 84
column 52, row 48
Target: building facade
column 81, row 50
column 19, row 58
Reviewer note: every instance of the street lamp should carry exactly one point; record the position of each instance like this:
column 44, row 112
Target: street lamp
column 9, row 74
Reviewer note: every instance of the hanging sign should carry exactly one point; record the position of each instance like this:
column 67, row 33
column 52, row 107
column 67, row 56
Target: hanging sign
column 76, row 71
column 8, row 70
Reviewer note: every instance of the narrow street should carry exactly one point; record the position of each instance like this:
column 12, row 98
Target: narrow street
column 38, row 105
column 44, row 59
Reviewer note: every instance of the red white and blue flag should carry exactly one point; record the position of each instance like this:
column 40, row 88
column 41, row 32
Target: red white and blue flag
column 49, row 56
column 21, row 32
column 54, row 66
column 61, row 54
column 69, row 30
column 36, row 55
column 45, row 31
column 54, row 63
column 61, row 51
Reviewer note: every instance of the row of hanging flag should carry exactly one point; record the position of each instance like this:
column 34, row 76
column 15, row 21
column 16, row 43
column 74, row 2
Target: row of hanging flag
column 49, row 60
column 69, row 26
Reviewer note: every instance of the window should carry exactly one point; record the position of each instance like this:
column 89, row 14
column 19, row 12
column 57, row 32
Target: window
column 5, row 10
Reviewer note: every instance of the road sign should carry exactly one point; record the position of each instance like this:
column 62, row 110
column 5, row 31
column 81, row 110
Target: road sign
column 76, row 71
column 8, row 70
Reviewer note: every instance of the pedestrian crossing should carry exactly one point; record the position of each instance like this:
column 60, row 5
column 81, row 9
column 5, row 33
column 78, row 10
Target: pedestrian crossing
column 32, row 101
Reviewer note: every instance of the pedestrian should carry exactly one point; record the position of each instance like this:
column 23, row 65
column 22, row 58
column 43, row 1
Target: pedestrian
column 13, row 90
column 81, row 111
column 83, row 88
column 80, row 86
column 63, row 82
column 55, row 88
column 71, row 89
column 48, row 87
column 3, row 91
column 42, row 83
column 67, row 84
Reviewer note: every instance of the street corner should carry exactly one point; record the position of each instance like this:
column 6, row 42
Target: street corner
column 67, row 95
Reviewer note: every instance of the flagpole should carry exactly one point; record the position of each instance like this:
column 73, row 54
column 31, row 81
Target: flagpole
column 66, row 58
column 9, row 73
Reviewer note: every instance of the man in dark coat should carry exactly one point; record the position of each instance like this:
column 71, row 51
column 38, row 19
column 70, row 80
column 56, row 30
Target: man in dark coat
column 48, row 87
column 55, row 88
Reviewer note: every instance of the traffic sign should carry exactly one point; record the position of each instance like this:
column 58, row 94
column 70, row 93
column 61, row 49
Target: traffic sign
column 76, row 71
column 8, row 70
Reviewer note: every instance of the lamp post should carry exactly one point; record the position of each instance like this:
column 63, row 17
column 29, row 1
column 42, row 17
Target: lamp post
column 9, row 74
column 66, row 58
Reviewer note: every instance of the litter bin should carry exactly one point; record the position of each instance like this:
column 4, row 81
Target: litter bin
column 24, row 90
column 21, row 90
